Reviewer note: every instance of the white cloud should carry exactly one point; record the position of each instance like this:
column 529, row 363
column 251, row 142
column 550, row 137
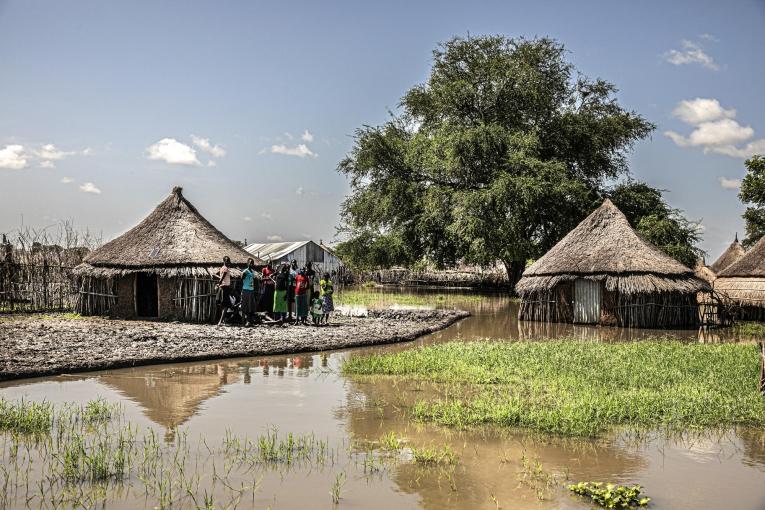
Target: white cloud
column 696, row 111
column 49, row 151
column 730, row 183
column 299, row 190
column 89, row 187
column 212, row 163
column 275, row 238
column 204, row 144
column 691, row 53
column 753, row 147
column 66, row 180
column 47, row 164
column 13, row 157
column 246, row 218
column 709, row 37
column 720, row 132
column 300, row 151
column 265, row 215
column 173, row 152
column 715, row 129
column 289, row 136
column 307, row 136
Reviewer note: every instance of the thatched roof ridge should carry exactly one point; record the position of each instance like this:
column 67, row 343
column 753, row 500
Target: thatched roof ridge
column 173, row 234
column 605, row 243
column 751, row 264
column 734, row 252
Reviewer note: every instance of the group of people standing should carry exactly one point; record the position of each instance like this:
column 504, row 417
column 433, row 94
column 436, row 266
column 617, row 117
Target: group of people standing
column 284, row 293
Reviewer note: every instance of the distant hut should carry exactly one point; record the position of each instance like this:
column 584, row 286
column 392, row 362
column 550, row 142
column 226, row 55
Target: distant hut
column 321, row 257
column 603, row 272
column 734, row 252
column 703, row 271
column 743, row 283
column 164, row 267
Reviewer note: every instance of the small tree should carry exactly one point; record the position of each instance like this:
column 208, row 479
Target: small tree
column 753, row 193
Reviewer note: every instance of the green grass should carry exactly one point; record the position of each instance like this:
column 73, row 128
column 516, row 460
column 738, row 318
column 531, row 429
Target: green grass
column 374, row 299
column 749, row 330
column 580, row 389
column 22, row 417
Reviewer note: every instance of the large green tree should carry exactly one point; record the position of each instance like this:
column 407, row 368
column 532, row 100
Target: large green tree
column 662, row 225
column 499, row 154
column 753, row 193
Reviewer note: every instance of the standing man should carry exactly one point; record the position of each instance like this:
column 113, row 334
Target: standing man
column 250, row 289
column 291, row 287
column 224, row 286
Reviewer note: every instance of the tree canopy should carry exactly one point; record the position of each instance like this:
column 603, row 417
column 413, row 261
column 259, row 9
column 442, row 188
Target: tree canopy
column 753, row 193
column 497, row 156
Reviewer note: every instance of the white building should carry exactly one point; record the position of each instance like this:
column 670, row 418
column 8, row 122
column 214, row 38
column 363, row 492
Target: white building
column 321, row 257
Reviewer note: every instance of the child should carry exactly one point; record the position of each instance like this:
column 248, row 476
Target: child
column 327, row 303
column 316, row 309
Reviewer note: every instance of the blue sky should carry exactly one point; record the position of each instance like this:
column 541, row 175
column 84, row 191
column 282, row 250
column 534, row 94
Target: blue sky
column 104, row 106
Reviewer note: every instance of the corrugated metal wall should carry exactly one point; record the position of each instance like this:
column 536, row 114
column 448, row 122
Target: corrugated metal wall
column 587, row 299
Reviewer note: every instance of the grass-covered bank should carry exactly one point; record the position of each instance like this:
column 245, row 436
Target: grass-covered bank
column 574, row 388
column 372, row 298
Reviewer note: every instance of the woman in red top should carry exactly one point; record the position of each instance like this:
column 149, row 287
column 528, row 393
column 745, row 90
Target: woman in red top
column 301, row 296
column 267, row 299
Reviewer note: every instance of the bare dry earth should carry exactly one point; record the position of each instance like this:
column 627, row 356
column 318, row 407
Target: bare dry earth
column 35, row 345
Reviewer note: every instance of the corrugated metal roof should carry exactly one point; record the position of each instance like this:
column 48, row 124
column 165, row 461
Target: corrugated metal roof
column 274, row 251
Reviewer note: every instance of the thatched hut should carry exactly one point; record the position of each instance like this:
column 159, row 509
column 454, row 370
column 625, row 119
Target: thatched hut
column 743, row 283
column 734, row 252
column 164, row 267
column 603, row 272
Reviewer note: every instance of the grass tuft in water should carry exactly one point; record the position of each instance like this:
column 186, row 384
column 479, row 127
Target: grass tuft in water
column 574, row 388
column 24, row 417
column 434, row 456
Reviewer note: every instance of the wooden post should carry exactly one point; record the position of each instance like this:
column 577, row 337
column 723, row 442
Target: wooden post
column 762, row 368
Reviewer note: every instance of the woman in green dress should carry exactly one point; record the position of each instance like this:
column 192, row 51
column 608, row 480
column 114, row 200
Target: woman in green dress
column 280, row 293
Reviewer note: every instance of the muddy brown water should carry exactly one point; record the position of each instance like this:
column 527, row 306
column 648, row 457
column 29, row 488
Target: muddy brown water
column 304, row 394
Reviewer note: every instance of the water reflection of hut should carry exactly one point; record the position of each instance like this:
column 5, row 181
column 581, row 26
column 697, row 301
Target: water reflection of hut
column 603, row 272
column 170, row 396
column 163, row 267
column 734, row 252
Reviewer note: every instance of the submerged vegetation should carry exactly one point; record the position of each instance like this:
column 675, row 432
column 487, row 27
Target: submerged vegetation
column 754, row 330
column 73, row 456
column 610, row 495
column 573, row 388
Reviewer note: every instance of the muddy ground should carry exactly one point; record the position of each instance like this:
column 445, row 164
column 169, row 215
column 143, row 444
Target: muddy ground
column 35, row 345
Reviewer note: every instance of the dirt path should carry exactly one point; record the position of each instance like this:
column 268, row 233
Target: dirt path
column 35, row 345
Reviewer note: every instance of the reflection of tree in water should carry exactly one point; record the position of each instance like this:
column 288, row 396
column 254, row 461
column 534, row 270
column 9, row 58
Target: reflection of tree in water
column 490, row 459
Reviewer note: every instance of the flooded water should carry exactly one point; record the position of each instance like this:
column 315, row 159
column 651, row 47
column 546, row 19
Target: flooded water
column 207, row 403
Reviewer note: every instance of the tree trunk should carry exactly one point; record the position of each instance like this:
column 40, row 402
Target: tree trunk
column 514, row 270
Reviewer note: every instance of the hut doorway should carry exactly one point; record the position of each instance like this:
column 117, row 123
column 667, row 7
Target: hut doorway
column 146, row 295
column 587, row 299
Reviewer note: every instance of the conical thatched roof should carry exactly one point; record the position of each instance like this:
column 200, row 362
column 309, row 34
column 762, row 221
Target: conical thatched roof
column 751, row 264
column 734, row 252
column 704, row 272
column 173, row 235
column 605, row 246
